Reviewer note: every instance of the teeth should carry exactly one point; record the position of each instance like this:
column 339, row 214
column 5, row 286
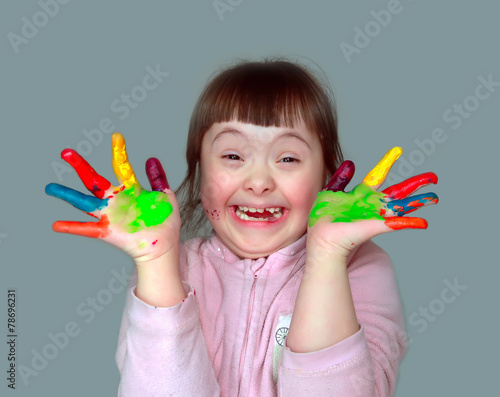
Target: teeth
column 240, row 213
column 272, row 210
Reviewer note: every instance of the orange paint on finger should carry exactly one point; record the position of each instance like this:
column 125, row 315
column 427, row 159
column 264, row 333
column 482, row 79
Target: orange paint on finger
column 87, row 229
column 397, row 223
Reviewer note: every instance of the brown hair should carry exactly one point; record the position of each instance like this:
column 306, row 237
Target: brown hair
column 272, row 92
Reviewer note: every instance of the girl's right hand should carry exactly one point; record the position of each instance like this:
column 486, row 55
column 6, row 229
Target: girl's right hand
column 144, row 224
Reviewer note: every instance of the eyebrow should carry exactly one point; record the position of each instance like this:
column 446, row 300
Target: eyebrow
column 286, row 134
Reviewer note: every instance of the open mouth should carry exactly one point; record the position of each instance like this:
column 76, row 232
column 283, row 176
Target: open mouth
column 269, row 214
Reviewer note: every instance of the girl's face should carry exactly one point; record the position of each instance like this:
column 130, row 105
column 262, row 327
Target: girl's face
column 277, row 171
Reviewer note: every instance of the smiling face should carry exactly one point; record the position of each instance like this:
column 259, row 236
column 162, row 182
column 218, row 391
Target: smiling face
column 275, row 172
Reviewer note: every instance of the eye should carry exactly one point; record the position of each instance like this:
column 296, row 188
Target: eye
column 290, row 160
column 231, row 157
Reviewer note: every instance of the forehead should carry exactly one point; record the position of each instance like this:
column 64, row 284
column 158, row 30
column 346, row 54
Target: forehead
column 251, row 133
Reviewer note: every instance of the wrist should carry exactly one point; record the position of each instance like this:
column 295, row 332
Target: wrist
column 158, row 280
column 322, row 262
column 163, row 260
column 317, row 255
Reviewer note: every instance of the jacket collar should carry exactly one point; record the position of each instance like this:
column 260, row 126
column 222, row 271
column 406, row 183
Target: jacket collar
column 290, row 252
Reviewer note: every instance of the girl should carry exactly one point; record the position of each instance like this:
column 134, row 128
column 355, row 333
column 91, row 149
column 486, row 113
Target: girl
column 288, row 296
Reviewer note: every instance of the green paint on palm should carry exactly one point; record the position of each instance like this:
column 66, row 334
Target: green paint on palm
column 137, row 209
column 363, row 202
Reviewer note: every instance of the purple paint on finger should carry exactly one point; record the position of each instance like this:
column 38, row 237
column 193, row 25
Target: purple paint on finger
column 342, row 177
column 156, row 175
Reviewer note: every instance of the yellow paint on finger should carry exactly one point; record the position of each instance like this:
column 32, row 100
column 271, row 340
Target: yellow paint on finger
column 378, row 174
column 121, row 166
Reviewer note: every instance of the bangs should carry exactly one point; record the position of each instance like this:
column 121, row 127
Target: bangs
column 264, row 94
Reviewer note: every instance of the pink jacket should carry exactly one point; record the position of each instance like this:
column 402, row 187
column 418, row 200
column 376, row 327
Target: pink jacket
column 227, row 338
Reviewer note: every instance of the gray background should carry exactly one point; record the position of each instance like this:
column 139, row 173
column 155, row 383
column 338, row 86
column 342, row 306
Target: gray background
column 392, row 92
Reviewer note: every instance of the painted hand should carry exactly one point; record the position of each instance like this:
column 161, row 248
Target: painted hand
column 343, row 220
column 144, row 224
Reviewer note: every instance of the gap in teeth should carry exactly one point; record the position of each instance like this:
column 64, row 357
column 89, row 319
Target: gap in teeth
column 272, row 210
column 240, row 212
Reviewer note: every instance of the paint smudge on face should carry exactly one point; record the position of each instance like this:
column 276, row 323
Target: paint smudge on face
column 215, row 214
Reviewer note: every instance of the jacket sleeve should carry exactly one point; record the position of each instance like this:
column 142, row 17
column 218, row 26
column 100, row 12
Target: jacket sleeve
column 162, row 351
column 365, row 364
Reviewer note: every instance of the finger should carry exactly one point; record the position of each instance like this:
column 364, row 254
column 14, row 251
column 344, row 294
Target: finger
column 87, row 229
column 79, row 200
column 342, row 177
column 156, row 175
column 94, row 182
column 121, row 167
column 410, row 204
column 410, row 185
column 397, row 223
column 377, row 175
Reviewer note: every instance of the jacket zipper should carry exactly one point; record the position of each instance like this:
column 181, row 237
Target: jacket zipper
column 249, row 318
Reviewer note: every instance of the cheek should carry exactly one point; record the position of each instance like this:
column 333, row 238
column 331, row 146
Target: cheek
column 209, row 203
column 215, row 191
column 215, row 183
column 303, row 196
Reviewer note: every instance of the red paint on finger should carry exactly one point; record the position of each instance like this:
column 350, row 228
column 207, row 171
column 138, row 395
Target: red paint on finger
column 397, row 223
column 410, row 185
column 90, row 178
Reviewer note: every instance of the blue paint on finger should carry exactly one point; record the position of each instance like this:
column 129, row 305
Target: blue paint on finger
column 410, row 204
column 78, row 200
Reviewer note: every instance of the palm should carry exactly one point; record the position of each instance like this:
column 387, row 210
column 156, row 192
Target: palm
column 140, row 222
column 144, row 224
column 343, row 220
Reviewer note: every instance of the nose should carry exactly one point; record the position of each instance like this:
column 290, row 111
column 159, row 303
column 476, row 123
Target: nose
column 260, row 180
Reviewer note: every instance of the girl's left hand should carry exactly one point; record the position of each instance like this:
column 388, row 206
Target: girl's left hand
column 340, row 221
